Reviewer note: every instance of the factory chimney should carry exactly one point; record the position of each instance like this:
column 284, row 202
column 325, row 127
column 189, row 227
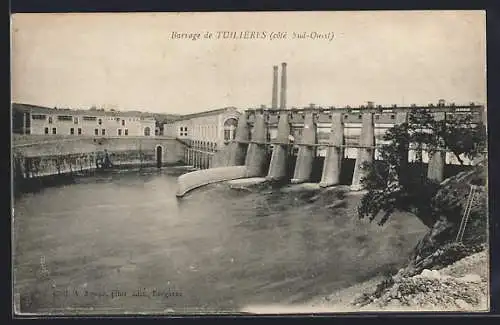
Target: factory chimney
column 274, row 103
column 283, row 86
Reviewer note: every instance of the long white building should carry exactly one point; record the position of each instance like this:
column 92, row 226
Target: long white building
column 36, row 120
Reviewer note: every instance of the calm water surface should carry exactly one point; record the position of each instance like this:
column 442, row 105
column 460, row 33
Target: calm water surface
column 123, row 242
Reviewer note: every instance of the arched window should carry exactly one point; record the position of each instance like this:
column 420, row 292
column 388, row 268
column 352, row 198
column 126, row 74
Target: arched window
column 147, row 131
column 230, row 129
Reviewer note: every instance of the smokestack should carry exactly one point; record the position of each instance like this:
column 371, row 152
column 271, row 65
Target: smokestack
column 274, row 103
column 283, row 86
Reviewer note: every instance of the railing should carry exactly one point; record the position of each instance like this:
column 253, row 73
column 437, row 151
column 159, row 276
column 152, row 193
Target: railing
column 450, row 108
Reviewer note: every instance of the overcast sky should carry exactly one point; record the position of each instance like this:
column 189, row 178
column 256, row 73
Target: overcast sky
column 130, row 62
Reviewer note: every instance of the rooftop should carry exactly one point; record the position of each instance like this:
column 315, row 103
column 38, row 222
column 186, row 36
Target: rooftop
column 207, row 113
column 66, row 111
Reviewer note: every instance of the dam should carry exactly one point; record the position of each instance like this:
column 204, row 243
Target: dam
column 292, row 145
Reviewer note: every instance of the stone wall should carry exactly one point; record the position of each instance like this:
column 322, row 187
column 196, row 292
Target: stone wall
column 44, row 156
column 36, row 146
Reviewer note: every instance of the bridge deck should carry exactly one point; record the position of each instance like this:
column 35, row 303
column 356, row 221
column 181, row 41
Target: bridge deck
column 376, row 109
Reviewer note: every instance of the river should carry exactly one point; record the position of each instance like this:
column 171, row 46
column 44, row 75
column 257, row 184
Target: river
column 122, row 242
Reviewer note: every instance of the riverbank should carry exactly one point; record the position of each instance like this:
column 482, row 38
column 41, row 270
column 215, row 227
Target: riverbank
column 461, row 286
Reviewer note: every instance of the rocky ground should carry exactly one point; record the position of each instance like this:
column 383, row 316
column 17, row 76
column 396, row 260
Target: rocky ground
column 461, row 286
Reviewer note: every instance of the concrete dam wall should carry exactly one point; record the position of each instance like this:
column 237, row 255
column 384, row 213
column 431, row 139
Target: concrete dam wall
column 294, row 157
column 192, row 180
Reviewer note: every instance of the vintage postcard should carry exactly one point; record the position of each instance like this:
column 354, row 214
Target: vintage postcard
column 249, row 163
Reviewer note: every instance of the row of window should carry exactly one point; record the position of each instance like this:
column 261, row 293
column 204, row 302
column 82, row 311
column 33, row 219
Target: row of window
column 210, row 131
column 117, row 120
column 54, row 131
column 147, row 131
column 79, row 130
column 346, row 116
column 392, row 117
column 74, row 119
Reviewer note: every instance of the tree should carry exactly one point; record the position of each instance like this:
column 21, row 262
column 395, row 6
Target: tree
column 394, row 185
column 461, row 136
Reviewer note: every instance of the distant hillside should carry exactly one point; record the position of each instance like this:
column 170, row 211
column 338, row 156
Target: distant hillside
column 163, row 118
